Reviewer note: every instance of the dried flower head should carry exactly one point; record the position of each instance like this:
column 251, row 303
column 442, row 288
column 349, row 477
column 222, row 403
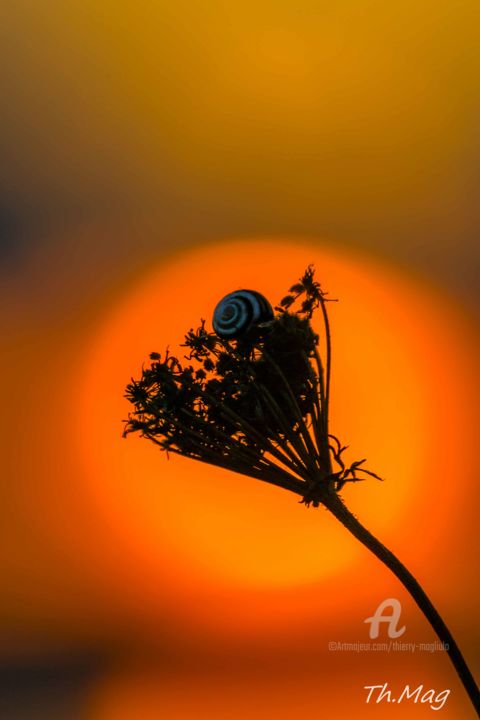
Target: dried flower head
column 256, row 404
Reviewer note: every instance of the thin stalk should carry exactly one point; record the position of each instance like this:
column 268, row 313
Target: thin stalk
column 321, row 377
column 328, row 361
column 239, row 455
column 275, row 476
column 336, row 506
column 237, row 447
column 320, row 419
column 294, row 439
column 294, row 405
column 302, row 448
column 249, row 430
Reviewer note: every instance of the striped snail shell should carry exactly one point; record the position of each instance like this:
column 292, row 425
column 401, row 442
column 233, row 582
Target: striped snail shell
column 239, row 311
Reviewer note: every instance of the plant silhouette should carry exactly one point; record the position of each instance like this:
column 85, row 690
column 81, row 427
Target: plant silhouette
column 253, row 397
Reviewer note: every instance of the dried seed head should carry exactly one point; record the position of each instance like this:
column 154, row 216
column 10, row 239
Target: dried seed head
column 252, row 402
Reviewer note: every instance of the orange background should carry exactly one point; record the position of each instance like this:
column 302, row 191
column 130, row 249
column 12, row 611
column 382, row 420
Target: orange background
column 155, row 157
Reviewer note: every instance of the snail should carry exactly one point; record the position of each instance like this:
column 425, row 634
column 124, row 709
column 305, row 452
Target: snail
column 240, row 311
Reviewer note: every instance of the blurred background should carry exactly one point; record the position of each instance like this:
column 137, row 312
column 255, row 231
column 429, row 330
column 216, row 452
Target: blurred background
column 152, row 155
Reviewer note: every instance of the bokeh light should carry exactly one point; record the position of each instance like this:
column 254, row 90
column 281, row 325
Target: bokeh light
column 400, row 392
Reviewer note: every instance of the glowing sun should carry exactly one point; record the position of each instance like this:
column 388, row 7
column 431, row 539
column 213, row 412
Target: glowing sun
column 392, row 352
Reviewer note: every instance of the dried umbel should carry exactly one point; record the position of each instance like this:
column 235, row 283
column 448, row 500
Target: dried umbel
column 253, row 397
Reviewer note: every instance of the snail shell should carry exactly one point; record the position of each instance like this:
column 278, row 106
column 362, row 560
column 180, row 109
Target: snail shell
column 239, row 311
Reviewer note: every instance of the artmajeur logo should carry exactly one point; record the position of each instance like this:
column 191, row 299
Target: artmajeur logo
column 388, row 612
column 391, row 620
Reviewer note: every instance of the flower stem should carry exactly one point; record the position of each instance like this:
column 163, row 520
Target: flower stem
column 336, row 506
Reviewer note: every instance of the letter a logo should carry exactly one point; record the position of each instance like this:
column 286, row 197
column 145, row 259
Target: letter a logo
column 392, row 620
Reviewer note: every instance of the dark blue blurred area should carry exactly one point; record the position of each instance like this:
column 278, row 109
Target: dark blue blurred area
column 12, row 236
column 46, row 688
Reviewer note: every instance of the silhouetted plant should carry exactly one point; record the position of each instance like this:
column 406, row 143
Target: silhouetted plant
column 256, row 402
